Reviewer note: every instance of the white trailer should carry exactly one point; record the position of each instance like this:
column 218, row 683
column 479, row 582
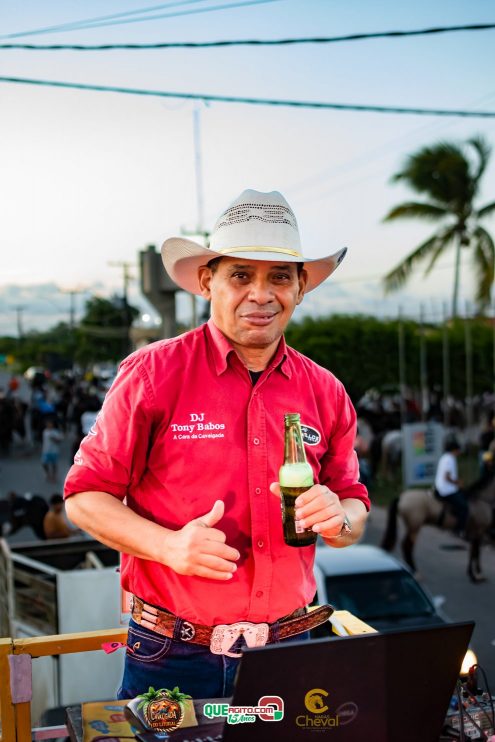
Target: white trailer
column 57, row 587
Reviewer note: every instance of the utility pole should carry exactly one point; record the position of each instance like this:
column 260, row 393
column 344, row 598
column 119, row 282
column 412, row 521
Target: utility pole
column 72, row 305
column 198, row 170
column 493, row 349
column 423, row 373
column 198, row 167
column 19, row 310
column 468, row 343
column 402, row 370
column 125, row 265
column 446, row 366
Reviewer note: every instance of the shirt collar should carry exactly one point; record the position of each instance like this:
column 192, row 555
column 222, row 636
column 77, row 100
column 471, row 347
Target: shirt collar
column 221, row 349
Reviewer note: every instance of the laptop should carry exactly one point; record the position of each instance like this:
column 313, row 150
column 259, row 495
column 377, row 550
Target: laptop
column 374, row 687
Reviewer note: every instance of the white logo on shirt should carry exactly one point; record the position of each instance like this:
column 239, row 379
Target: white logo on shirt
column 198, row 427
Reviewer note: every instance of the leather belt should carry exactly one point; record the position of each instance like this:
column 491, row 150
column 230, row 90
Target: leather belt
column 220, row 638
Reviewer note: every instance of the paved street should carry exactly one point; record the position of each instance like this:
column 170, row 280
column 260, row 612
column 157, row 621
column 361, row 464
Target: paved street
column 442, row 561
column 22, row 472
column 441, row 558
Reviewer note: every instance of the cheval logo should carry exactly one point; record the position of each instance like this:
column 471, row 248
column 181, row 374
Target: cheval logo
column 311, row 436
column 316, row 718
column 313, row 700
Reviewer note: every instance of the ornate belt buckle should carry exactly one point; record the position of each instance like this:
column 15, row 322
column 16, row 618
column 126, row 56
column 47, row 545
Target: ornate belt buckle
column 224, row 635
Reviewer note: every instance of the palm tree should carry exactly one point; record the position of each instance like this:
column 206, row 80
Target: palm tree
column 448, row 175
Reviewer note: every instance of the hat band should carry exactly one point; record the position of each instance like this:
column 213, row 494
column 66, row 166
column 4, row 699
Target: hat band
column 248, row 248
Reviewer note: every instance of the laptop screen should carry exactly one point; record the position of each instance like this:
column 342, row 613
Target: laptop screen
column 387, row 687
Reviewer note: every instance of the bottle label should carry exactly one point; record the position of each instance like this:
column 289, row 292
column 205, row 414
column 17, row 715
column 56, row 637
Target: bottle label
column 298, row 526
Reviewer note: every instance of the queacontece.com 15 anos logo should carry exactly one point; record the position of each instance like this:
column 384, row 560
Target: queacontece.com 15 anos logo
column 316, row 717
column 268, row 708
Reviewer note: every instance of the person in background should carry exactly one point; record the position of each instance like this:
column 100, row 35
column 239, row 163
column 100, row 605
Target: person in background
column 54, row 523
column 362, row 450
column 6, row 422
column 448, row 484
column 50, row 450
column 487, row 436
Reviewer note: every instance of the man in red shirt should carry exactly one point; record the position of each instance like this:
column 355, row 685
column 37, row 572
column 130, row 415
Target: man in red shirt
column 191, row 437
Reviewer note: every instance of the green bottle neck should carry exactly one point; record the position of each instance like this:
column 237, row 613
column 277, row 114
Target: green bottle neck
column 294, row 452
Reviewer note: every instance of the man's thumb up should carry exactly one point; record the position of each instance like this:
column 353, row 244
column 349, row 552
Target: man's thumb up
column 216, row 513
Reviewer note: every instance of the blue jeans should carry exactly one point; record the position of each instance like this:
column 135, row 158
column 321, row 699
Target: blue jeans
column 459, row 506
column 156, row 660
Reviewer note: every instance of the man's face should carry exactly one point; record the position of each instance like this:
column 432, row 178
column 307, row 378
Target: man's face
column 252, row 301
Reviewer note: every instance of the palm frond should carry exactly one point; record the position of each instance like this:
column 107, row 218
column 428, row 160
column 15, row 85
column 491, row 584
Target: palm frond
column 417, row 210
column 483, row 150
column 485, row 210
column 400, row 274
column 440, row 170
column 443, row 241
column 484, row 265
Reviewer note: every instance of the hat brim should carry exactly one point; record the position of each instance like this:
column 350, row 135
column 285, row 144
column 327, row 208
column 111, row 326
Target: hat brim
column 182, row 258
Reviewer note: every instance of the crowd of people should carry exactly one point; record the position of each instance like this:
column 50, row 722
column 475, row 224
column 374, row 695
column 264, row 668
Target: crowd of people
column 55, row 402
column 44, row 415
column 58, row 409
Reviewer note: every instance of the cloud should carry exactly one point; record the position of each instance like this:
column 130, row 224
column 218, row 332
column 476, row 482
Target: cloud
column 38, row 306
column 44, row 305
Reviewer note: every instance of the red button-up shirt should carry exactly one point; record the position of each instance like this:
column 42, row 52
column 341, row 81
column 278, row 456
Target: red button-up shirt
column 183, row 426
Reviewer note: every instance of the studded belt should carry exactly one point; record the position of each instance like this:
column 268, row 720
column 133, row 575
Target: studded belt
column 220, row 638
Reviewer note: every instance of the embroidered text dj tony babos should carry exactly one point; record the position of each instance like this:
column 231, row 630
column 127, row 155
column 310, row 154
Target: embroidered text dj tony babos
column 197, row 427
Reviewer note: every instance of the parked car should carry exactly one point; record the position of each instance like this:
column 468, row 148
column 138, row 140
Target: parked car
column 379, row 589
column 374, row 586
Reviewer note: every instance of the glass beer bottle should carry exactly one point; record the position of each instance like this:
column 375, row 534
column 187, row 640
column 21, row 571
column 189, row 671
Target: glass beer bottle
column 295, row 477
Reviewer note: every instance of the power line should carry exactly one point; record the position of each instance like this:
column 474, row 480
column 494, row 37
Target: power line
column 74, row 25
column 372, row 278
column 237, row 42
column 363, row 159
column 252, row 101
column 81, row 25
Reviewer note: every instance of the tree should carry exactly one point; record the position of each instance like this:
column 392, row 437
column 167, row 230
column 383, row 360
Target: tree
column 449, row 176
column 363, row 351
column 104, row 330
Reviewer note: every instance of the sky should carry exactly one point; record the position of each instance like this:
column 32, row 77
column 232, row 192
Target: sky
column 88, row 179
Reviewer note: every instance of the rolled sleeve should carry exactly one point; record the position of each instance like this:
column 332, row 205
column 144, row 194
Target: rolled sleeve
column 340, row 467
column 112, row 457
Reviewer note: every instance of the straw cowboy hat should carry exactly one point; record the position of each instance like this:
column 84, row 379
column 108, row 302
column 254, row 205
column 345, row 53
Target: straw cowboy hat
column 256, row 226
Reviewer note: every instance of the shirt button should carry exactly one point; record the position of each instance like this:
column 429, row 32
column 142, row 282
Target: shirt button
column 256, row 441
column 261, row 544
column 259, row 594
column 258, row 490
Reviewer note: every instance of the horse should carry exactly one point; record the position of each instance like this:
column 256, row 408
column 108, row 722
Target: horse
column 18, row 511
column 419, row 507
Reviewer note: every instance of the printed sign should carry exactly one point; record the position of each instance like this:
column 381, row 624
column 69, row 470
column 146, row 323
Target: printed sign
column 422, row 446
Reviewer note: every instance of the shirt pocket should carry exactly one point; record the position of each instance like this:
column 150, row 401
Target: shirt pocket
column 144, row 645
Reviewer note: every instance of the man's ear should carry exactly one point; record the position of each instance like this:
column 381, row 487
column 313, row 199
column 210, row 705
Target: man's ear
column 303, row 280
column 204, row 277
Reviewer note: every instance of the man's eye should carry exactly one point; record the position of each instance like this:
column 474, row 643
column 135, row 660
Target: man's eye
column 282, row 277
column 240, row 275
